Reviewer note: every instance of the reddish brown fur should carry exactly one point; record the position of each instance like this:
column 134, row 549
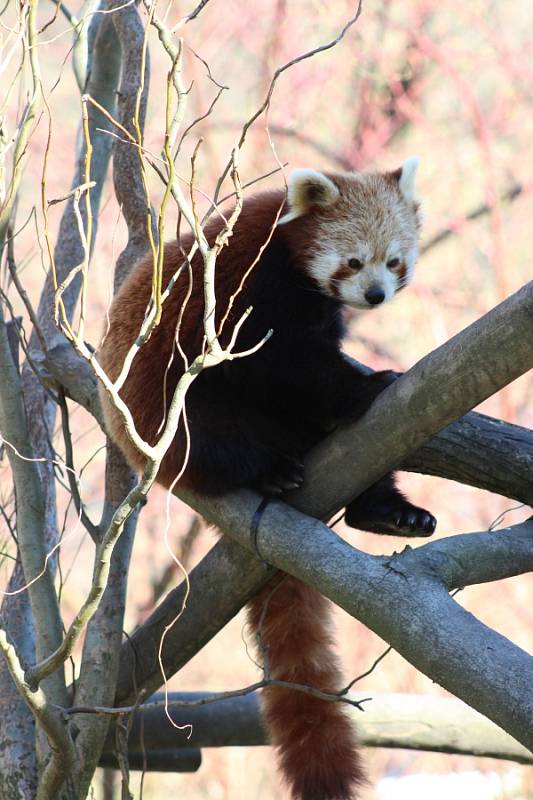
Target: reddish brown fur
column 343, row 272
column 315, row 739
column 401, row 272
column 151, row 361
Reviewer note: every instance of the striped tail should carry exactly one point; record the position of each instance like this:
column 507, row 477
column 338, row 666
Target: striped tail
column 317, row 747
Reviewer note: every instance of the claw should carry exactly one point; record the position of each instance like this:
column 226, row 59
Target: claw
column 407, row 521
column 417, row 520
column 288, row 476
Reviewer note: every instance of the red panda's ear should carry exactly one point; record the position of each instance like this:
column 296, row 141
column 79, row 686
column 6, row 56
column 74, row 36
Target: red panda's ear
column 405, row 176
column 308, row 188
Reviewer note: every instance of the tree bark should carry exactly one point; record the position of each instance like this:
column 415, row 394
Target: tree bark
column 412, row 722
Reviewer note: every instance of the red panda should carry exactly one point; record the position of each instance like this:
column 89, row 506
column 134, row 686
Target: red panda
column 340, row 239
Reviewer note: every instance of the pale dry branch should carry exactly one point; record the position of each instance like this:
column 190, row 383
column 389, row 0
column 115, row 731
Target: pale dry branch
column 51, row 720
column 25, row 126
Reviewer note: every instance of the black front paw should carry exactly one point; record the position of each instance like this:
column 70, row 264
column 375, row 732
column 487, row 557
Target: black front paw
column 287, row 475
column 369, row 389
column 405, row 520
column 379, row 381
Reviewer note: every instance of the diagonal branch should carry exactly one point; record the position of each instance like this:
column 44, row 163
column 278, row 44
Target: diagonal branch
column 404, row 599
column 438, row 389
column 216, row 598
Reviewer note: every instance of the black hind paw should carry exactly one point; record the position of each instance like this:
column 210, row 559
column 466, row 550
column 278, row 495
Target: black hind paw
column 414, row 520
column 407, row 520
column 288, row 475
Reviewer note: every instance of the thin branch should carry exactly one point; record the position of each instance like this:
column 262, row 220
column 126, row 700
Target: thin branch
column 331, row 697
column 73, row 480
column 476, row 213
column 266, row 103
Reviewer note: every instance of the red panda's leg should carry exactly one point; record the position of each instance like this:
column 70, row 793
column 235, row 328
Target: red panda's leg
column 382, row 508
column 230, row 448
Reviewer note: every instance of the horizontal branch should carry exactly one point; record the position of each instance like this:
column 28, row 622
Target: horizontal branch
column 480, row 451
column 413, row 722
column 471, row 558
column 170, row 760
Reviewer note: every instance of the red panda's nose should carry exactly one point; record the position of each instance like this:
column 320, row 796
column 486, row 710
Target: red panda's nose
column 374, row 295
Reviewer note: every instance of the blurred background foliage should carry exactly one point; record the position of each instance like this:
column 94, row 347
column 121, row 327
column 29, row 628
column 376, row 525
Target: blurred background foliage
column 450, row 82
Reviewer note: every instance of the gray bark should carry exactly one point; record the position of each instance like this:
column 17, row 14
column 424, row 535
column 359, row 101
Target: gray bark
column 171, row 760
column 441, row 724
column 224, row 580
column 404, row 599
column 381, row 431
column 18, row 765
column 102, row 83
column 30, row 512
column 480, row 451
column 100, row 659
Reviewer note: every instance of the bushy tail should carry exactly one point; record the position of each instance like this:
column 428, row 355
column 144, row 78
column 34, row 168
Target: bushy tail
column 318, row 750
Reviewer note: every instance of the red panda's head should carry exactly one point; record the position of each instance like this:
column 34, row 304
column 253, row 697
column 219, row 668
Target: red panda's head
column 358, row 232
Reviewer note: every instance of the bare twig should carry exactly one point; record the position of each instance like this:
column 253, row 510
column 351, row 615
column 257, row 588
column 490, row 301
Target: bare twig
column 476, row 213
column 332, row 697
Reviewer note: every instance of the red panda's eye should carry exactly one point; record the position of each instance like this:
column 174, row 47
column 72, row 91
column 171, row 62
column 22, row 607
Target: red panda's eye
column 393, row 262
column 355, row 263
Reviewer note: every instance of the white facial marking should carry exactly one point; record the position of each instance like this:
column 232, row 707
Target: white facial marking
column 352, row 290
column 393, row 250
column 323, row 265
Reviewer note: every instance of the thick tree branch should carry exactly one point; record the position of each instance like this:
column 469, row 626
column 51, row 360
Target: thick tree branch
column 171, row 760
column 471, row 558
column 30, row 510
column 443, row 386
column 210, row 576
column 409, row 608
column 18, row 759
column 453, row 651
column 442, row 724
column 220, row 585
column 480, row 451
